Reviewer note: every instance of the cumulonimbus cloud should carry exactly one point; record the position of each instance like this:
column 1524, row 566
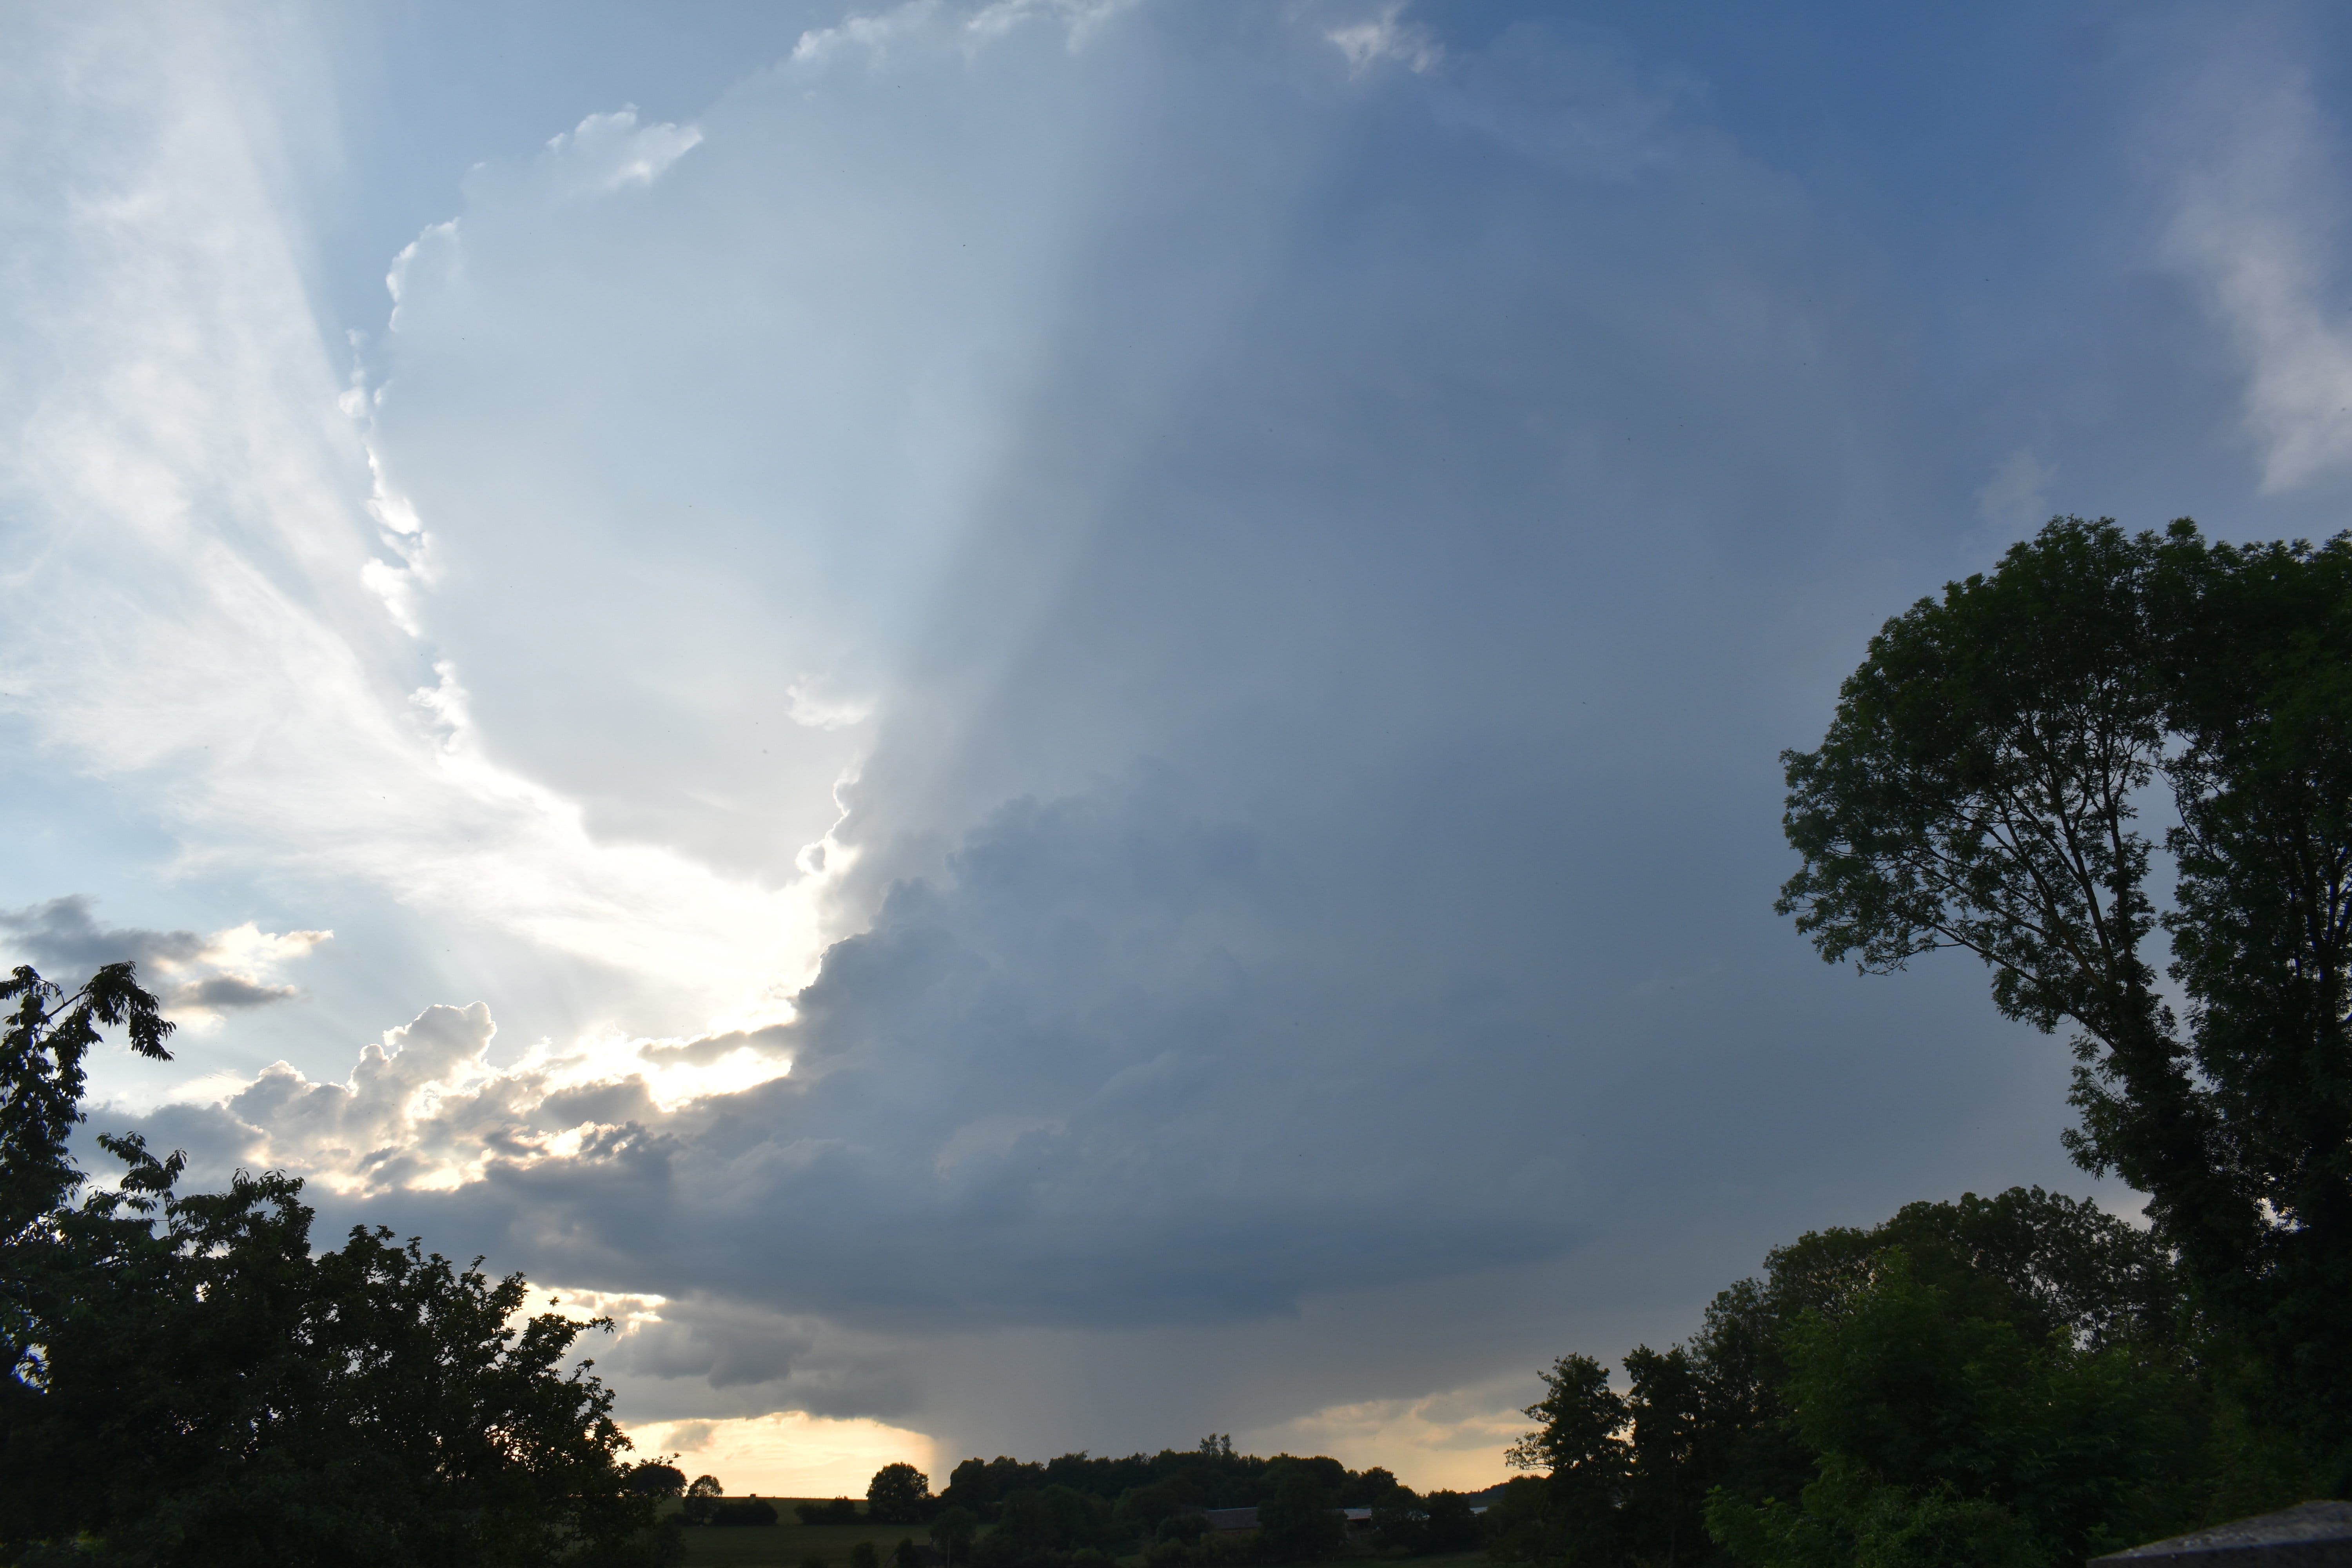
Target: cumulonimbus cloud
column 1244, row 608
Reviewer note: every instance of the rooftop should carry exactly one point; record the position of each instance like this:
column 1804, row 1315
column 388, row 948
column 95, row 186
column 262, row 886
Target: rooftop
column 2308, row 1535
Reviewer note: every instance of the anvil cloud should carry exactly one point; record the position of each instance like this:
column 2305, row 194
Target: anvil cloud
column 1057, row 722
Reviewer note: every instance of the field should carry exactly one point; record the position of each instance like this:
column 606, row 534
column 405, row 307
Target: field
column 789, row 1544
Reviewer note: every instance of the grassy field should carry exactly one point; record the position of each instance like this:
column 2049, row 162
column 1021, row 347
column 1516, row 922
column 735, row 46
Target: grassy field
column 789, row 1543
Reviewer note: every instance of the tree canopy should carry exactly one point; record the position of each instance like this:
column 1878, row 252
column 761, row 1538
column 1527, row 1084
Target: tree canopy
column 1081, row 1511
column 188, row 1383
column 2000, row 1380
column 1982, row 787
column 899, row 1494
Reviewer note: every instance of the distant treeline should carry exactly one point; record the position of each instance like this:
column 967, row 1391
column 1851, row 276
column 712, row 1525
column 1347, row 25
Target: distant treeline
column 1080, row 1511
column 1211, row 1476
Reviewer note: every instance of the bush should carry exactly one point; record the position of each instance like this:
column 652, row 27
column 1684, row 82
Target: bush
column 707, row 1503
column 952, row 1533
column 1199, row 1550
column 1184, row 1526
column 654, row 1478
column 1044, row 1530
column 840, row 1510
column 1449, row 1525
column 1296, row 1522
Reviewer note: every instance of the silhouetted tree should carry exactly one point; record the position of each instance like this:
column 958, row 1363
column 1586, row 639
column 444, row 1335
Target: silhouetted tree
column 899, row 1494
column 840, row 1510
column 188, row 1382
column 1450, row 1523
column 1979, row 787
column 1044, row 1529
column 1298, row 1519
column 1578, row 1445
column 1991, row 1380
column 657, row 1479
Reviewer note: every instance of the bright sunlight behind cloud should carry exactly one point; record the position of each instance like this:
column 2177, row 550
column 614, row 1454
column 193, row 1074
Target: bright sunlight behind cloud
column 1053, row 725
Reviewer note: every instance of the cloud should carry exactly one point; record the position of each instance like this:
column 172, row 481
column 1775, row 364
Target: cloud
column 2256, row 221
column 64, row 934
column 920, row 26
column 1080, row 20
column 1450, row 1439
column 873, row 33
column 1110, row 1141
column 1320, row 570
column 63, row 937
column 181, row 451
column 712, row 1048
column 612, row 151
column 425, row 1108
column 1386, row 35
column 817, row 712
column 227, row 992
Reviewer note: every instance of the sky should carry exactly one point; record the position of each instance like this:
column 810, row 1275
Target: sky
column 1040, row 725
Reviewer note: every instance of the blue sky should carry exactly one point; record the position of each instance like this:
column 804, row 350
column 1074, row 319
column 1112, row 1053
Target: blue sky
column 1052, row 724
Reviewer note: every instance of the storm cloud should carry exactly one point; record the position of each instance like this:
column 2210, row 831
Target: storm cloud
column 1058, row 721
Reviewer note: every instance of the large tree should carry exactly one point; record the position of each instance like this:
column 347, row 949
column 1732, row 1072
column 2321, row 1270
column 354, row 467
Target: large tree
column 1579, row 1443
column 899, row 1494
column 1992, row 1381
column 1981, row 787
column 187, row 1383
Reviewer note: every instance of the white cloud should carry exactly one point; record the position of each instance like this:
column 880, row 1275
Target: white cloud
column 1387, row 36
column 223, row 589
column 2256, row 218
column 438, row 247
column 1079, row 18
column 813, row 709
column 612, row 151
column 245, row 946
column 873, row 33
column 928, row 22
column 426, row 1110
